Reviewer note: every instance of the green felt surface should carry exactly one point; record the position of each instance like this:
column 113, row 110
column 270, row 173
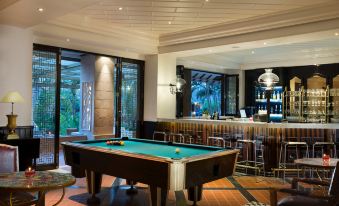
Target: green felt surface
column 155, row 149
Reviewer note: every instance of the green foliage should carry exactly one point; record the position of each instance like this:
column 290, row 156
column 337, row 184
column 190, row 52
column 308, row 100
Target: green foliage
column 44, row 109
column 208, row 95
column 69, row 109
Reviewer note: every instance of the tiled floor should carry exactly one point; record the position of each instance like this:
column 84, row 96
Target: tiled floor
column 233, row 191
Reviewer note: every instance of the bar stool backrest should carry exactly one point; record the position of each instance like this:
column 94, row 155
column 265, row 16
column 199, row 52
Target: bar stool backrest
column 9, row 158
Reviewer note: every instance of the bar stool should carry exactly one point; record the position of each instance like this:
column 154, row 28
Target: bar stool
column 291, row 142
column 319, row 142
column 259, row 151
column 197, row 137
column 216, row 141
column 226, row 136
column 160, row 136
column 175, row 137
column 187, row 134
column 258, row 163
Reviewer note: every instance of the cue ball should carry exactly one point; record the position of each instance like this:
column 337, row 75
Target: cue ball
column 177, row 150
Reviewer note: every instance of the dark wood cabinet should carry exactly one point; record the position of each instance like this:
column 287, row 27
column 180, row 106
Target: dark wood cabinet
column 24, row 132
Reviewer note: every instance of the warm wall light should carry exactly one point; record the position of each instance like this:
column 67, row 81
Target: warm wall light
column 41, row 9
column 177, row 85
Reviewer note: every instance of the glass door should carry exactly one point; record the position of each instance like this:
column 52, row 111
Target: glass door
column 45, row 103
column 129, row 103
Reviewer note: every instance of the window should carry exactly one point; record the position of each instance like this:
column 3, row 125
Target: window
column 70, row 93
column 206, row 92
column 231, row 92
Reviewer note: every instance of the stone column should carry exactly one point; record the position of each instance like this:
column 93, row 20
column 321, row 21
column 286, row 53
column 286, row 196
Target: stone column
column 104, row 96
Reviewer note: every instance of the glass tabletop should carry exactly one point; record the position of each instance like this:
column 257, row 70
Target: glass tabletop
column 42, row 180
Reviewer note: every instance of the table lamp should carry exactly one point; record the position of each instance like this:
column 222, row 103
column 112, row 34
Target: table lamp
column 12, row 97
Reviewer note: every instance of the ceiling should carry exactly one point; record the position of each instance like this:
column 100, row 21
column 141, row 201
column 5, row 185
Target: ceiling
column 163, row 16
column 135, row 28
column 263, row 54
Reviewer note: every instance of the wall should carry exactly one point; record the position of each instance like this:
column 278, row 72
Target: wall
column 16, row 72
column 150, row 88
column 166, row 103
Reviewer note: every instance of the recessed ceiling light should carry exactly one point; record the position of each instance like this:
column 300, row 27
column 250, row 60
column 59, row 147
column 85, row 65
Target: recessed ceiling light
column 252, row 52
column 120, row 8
column 210, row 50
column 169, row 22
column 68, row 40
column 41, row 9
column 337, row 34
column 265, row 43
column 207, row 0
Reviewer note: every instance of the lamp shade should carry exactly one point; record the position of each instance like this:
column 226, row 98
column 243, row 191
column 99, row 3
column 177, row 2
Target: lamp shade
column 268, row 78
column 12, row 97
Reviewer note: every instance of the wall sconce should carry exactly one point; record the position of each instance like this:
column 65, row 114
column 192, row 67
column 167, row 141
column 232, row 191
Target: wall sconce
column 177, row 85
column 268, row 79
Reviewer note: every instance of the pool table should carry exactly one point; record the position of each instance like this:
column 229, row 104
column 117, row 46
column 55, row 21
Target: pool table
column 163, row 166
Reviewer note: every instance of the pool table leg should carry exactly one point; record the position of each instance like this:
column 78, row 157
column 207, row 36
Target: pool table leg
column 93, row 185
column 195, row 193
column 158, row 196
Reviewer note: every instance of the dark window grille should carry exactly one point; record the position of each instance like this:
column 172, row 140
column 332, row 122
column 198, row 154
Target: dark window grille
column 44, row 85
column 129, row 99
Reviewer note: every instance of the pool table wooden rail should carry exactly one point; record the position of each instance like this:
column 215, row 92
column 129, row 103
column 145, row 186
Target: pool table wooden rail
column 162, row 174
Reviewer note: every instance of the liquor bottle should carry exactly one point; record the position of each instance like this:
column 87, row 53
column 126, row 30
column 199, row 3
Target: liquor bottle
column 278, row 95
column 274, row 95
column 258, row 95
column 263, row 95
column 276, row 109
column 280, row 111
column 272, row 111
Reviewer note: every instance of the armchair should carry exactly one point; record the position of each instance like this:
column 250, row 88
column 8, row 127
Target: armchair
column 328, row 197
column 9, row 158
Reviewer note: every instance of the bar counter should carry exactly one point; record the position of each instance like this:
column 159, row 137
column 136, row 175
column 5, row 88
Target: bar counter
column 274, row 133
column 245, row 123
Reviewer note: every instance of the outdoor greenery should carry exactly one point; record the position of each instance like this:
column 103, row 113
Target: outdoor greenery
column 69, row 109
column 206, row 97
column 43, row 110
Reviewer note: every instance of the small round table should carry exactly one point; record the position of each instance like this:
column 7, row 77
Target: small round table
column 41, row 182
column 316, row 163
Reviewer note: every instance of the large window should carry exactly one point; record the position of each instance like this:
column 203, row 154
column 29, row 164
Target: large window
column 70, row 92
column 73, row 92
column 206, row 92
